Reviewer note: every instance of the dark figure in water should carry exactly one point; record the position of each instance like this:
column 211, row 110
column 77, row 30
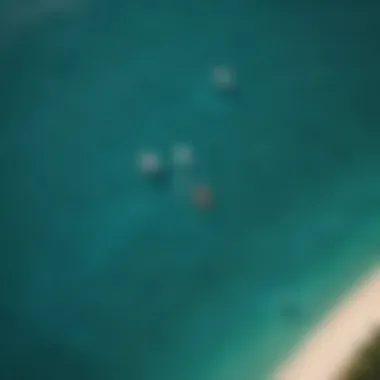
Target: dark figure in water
column 203, row 197
column 291, row 312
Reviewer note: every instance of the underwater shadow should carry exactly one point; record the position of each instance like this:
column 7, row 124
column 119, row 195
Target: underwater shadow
column 28, row 356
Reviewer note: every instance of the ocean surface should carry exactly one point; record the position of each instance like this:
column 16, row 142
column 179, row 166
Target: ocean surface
column 107, row 275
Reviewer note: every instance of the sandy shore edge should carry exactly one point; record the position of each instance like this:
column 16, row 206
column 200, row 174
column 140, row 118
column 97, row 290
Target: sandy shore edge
column 327, row 352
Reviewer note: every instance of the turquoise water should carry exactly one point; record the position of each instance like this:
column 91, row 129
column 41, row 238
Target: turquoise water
column 105, row 275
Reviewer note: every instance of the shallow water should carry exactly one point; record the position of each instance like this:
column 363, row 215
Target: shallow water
column 107, row 275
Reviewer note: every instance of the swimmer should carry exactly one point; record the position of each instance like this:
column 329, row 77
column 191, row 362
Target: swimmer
column 203, row 197
column 224, row 79
column 183, row 156
column 150, row 164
